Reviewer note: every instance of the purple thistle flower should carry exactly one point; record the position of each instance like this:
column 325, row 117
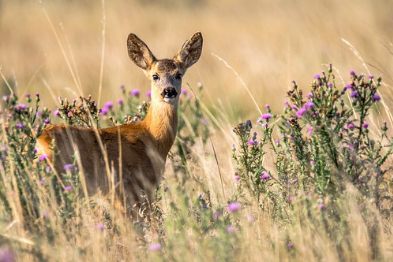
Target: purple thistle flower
column 155, row 247
column 135, row 92
column 216, row 215
column 6, row 255
column 266, row 116
column 22, row 107
column 40, row 113
column 56, row 112
column 291, row 245
column 148, row 94
column 234, row 207
column 104, row 111
column 317, row 76
column 100, row 227
column 350, row 126
column 365, row 125
column 120, row 102
column 47, row 121
column 300, row 112
column 330, row 85
column 265, row 176
column 48, row 169
column 286, row 103
column 348, row 86
column 352, row 73
column 309, row 95
column 183, row 91
column 37, row 95
column 267, row 106
column 312, row 163
column 371, row 77
column 43, row 157
column 376, row 97
column 108, row 105
column 122, row 88
column 67, row 188
column 277, row 141
column 309, row 105
column 19, row 125
column 27, row 95
column 42, row 181
column 252, row 142
column 354, row 94
column 68, row 167
column 230, row 229
column 236, row 178
column 310, row 130
column 321, row 206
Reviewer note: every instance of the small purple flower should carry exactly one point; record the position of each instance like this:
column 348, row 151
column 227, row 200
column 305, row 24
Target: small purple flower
column 309, row 105
column 43, row 157
column 42, row 181
column 6, row 255
column 45, row 214
column 252, row 142
column 19, row 125
column 120, row 102
column 310, row 130
column 292, row 198
column 321, row 206
column 354, row 94
column 365, row 125
column 183, row 91
column 312, row 163
column 27, row 95
column 68, row 167
column 47, row 121
column 108, row 105
column 265, row 176
column 293, row 107
column 22, row 107
column 135, row 92
column 309, row 95
column 300, row 112
column 277, row 141
column 317, row 76
column 148, row 94
column 286, row 103
column 267, row 106
column 56, row 112
column 266, row 116
column 230, row 229
column 371, row 77
column 330, row 85
column 40, row 113
column 48, row 169
column 67, row 188
column 352, row 73
column 155, row 247
column 100, row 227
column 291, row 245
column 234, row 207
column 350, row 126
column 236, row 178
column 216, row 215
column 376, row 97
column 104, row 111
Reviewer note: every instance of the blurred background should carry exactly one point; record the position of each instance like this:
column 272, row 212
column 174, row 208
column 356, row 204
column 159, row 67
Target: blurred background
column 54, row 46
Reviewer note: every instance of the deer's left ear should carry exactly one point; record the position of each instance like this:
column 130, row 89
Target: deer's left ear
column 191, row 50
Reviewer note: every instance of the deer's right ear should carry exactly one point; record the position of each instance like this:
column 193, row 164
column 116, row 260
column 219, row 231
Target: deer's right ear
column 139, row 52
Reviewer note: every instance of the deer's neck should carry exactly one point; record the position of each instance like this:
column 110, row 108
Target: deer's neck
column 161, row 123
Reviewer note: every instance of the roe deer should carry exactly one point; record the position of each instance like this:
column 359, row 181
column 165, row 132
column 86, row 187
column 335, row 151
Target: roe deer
column 135, row 152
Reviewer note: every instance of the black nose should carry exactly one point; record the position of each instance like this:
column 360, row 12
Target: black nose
column 169, row 92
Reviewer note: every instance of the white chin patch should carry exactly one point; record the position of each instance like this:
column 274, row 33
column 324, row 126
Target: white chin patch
column 169, row 99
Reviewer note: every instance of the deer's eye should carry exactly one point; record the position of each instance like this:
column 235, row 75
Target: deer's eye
column 178, row 76
column 156, row 77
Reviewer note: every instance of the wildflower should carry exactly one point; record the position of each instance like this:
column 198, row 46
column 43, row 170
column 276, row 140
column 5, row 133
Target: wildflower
column 250, row 218
column 317, row 76
column 236, row 178
column 45, row 214
column 108, row 105
column 376, row 97
column 300, row 112
column 234, row 207
column 321, row 206
column 309, row 105
column 291, row 245
column 216, row 215
column 265, row 176
column 351, row 126
column 205, row 121
column 183, row 91
column 67, row 188
column 312, row 163
column 6, row 255
column 267, row 106
column 42, row 181
column 56, row 112
column 286, row 103
column 365, row 125
column 277, row 141
column 155, row 247
column 310, row 130
column 348, row 86
column 104, row 111
column 100, row 226
column 43, row 157
column 266, row 116
column 148, row 94
column 19, row 125
column 135, row 92
column 252, row 142
column 27, row 95
column 47, row 121
column 309, row 95
column 230, row 229
column 120, row 102
column 48, row 169
column 354, row 94
column 22, row 107
column 292, row 198
column 352, row 73
column 68, row 167
column 293, row 107
column 330, row 85
column 40, row 113
column 371, row 77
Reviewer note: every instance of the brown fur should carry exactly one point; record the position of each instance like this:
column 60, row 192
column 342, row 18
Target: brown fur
column 143, row 147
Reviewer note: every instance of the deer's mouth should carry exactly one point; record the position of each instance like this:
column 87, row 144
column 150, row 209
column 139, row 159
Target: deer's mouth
column 169, row 94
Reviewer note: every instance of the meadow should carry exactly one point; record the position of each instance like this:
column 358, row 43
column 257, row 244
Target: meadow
column 284, row 147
